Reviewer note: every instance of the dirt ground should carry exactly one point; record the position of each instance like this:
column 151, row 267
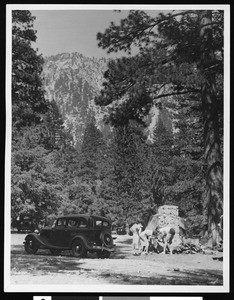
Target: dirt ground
column 121, row 268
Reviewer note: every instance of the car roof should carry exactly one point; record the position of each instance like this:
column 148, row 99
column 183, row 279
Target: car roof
column 86, row 216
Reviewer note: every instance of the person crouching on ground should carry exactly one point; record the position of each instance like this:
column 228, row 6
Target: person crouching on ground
column 136, row 230
column 145, row 238
column 166, row 234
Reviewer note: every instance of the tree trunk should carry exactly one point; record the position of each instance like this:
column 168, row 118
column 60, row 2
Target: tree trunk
column 214, row 176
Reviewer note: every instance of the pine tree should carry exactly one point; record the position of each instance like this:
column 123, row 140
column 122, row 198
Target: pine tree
column 28, row 102
column 160, row 159
column 183, row 51
column 36, row 176
column 92, row 153
column 57, row 135
column 212, row 151
column 187, row 189
column 124, row 188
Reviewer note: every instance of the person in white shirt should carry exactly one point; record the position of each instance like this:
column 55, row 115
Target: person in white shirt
column 136, row 230
column 145, row 237
column 166, row 234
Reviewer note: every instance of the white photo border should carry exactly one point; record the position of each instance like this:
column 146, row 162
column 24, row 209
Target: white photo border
column 8, row 287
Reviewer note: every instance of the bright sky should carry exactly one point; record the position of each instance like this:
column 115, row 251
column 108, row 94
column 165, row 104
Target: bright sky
column 70, row 31
column 73, row 28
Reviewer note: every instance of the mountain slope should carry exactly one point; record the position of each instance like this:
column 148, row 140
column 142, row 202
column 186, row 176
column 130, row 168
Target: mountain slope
column 73, row 81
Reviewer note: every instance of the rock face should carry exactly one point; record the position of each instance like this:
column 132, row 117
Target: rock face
column 73, row 81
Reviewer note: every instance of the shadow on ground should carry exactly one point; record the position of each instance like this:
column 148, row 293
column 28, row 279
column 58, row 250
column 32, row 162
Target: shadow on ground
column 44, row 262
column 200, row 277
column 120, row 253
column 128, row 242
column 123, row 249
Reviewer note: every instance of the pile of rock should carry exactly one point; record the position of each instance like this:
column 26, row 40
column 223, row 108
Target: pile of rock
column 168, row 215
column 188, row 248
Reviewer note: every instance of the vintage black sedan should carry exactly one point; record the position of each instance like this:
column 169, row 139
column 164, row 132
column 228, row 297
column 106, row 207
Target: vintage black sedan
column 24, row 223
column 78, row 233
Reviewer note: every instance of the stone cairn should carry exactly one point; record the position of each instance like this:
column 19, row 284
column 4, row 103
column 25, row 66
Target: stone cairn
column 167, row 215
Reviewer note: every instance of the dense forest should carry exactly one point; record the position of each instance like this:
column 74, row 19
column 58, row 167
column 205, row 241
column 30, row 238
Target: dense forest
column 179, row 70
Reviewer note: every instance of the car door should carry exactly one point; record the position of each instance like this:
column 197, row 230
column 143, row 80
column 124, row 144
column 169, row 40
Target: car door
column 72, row 229
column 59, row 233
column 83, row 227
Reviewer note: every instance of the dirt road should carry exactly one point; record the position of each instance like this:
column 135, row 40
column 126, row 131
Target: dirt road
column 121, row 268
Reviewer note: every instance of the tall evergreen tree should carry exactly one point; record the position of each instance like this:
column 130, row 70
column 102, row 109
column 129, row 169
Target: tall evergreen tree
column 185, row 52
column 36, row 176
column 212, row 151
column 187, row 190
column 160, row 159
column 28, row 102
column 124, row 189
column 57, row 135
column 92, row 153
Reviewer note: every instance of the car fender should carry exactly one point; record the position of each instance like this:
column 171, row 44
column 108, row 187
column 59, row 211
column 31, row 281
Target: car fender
column 40, row 241
column 80, row 237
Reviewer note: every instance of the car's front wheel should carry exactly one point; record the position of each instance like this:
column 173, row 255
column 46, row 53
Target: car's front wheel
column 78, row 248
column 103, row 254
column 30, row 245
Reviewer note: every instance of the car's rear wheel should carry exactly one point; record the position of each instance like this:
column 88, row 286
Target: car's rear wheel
column 55, row 252
column 31, row 245
column 103, row 254
column 78, row 248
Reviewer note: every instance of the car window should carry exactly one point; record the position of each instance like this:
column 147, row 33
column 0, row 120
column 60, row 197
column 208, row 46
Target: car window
column 100, row 223
column 72, row 223
column 61, row 222
column 83, row 223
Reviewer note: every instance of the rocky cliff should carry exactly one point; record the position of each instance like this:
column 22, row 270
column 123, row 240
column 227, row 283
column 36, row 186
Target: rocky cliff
column 73, row 81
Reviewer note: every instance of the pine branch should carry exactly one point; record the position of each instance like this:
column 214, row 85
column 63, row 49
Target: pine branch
column 177, row 93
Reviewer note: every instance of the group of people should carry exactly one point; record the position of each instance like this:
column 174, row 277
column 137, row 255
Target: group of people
column 142, row 238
